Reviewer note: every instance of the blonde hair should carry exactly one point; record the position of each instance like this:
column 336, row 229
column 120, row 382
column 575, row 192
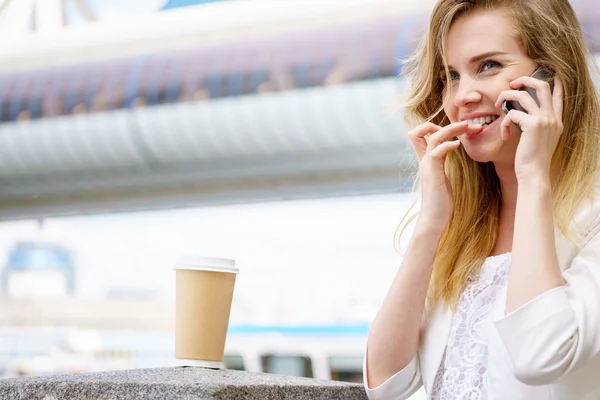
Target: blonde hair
column 550, row 34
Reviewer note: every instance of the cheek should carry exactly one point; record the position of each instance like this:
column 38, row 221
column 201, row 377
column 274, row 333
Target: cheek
column 451, row 111
column 449, row 107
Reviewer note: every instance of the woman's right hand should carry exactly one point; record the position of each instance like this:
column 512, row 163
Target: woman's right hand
column 437, row 202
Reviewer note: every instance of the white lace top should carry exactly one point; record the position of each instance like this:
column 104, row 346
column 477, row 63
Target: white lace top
column 463, row 371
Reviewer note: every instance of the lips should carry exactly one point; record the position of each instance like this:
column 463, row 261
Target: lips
column 485, row 130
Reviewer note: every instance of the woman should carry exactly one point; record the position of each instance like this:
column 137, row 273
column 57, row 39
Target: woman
column 498, row 294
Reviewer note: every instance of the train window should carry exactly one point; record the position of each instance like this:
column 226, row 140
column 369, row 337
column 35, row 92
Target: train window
column 337, row 76
column 173, row 78
column 24, row 115
column 287, row 365
column 79, row 109
column 214, row 84
column 34, row 97
column 73, row 87
column 6, row 102
column 71, row 99
column 301, row 74
column 201, row 95
column 152, row 95
column 172, row 91
column 134, row 81
column 257, row 78
column 91, row 85
column 35, row 107
column 346, row 368
column 139, row 102
column 235, row 84
column 52, row 107
column 112, row 93
column 98, row 102
column 233, row 361
column 266, row 87
column 151, row 86
column 17, row 105
column 320, row 72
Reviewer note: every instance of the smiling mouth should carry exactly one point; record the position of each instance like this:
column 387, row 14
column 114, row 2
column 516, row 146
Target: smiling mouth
column 484, row 121
column 470, row 136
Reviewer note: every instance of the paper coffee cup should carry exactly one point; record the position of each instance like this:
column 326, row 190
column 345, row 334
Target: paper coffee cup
column 204, row 292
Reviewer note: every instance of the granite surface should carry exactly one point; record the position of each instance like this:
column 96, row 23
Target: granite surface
column 184, row 383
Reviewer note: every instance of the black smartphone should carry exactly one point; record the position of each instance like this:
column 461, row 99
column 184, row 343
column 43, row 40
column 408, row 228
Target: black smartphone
column 542, row 73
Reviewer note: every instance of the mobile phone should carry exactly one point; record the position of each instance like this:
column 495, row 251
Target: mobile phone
column 542, row 73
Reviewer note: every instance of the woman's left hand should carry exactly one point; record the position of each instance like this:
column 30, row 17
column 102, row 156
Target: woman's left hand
column 541, row 126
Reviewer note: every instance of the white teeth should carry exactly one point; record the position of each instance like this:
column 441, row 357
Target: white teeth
column 483, row 120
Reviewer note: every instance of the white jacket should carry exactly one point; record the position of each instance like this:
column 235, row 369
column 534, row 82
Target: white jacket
column 547, row 349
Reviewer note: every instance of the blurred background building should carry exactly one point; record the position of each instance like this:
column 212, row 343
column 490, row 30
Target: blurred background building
column 267, row 131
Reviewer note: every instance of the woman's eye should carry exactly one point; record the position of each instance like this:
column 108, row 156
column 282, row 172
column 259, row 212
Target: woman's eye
column 489, row 65
column 452, row 74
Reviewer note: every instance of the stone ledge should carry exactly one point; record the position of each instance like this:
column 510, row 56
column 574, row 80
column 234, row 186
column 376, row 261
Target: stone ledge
column 185, row 383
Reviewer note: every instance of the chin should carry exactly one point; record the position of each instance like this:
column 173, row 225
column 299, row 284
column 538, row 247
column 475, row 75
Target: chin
column 483, row 152
column 479, row 156
column 484, row 149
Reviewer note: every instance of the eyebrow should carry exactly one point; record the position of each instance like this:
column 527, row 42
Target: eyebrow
column 480, row 57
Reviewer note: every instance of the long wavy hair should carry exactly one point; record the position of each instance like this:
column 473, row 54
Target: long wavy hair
column 551, row 36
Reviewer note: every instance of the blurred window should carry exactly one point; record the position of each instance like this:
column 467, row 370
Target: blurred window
column 346, row 368
column 24, row 115
column 151, row 82
column 301, row 75
column 172, row 91
column 36, row 93
column 35, row 107
column 6, row 87
column 174, row 77
column 214, row 84
column 235, row 84
column 133, row 85
column 92, row 84
column 234, row 361
column 17, row 94
column 139, row 102
column 257, row 78
column 112, row 93
column 193, row 75
column 287, row 365
column 74, row 87
column 60, row 83
column 321, row 71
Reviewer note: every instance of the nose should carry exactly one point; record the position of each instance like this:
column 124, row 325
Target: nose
column 465, row 92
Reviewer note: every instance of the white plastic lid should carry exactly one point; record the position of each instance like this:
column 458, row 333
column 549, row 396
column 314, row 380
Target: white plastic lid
column 197, row 263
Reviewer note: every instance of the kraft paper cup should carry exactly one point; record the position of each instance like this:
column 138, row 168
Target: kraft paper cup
column 204, row 292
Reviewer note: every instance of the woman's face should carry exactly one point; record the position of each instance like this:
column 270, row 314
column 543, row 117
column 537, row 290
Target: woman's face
column 483, row 58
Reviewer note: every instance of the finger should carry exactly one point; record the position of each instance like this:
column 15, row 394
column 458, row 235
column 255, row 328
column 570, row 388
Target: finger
column 558, row 98
column 417, row 137
column 542, row 89
column 524, row 98
column 422, row 130
column 440, row 151
column 513, row 117
column 452, row 130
